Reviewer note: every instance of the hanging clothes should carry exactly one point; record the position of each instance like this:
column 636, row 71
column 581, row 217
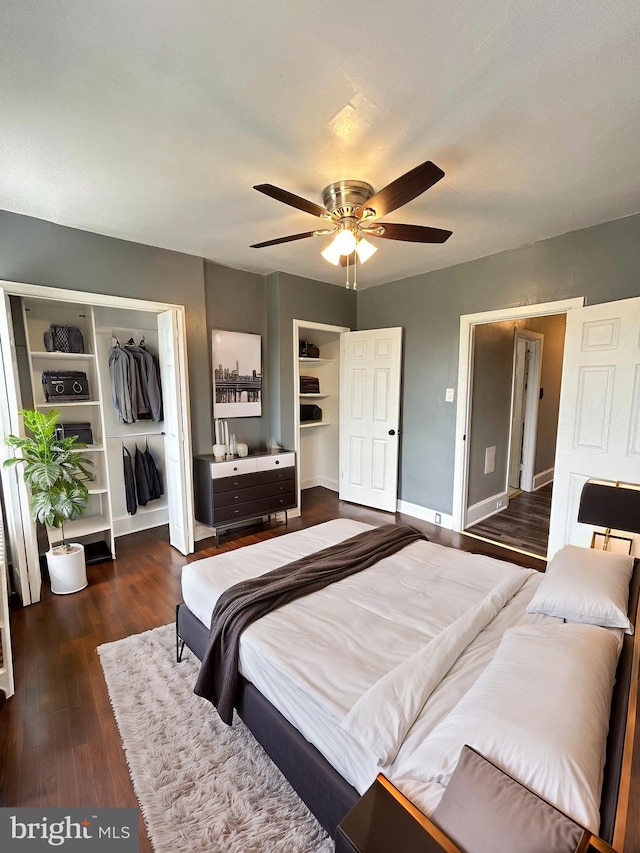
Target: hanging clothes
column 119, row 372
column 155, row 480
column 152, row 381
column 143, row 488
column 129, row 482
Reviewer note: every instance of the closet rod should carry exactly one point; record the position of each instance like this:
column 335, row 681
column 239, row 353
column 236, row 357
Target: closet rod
column 135, row 435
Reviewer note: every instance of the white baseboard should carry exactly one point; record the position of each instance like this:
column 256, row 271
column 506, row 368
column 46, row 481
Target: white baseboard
column 486, row 508
column 541, row 479
column 332, row 485
column 426, row 514
column 202, row 531
column 310, row 483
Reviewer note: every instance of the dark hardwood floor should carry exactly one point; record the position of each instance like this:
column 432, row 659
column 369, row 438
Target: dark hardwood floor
column 524, row 524
column 59, row 743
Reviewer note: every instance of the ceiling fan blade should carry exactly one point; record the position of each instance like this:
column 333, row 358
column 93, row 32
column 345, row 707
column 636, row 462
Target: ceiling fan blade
column 403, row 189
column 283, row 240
column 411, row 233
column 294, row 200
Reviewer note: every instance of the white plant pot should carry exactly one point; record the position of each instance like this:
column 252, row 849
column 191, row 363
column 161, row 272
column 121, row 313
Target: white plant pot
column 67, row 571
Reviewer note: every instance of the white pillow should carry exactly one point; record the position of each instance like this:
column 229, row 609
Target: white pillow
column 586, row 585
column 540, row 710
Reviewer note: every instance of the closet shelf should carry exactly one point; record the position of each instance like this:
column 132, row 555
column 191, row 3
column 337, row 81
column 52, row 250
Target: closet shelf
column 313, row 396
column 307, row 424
column 66, row 404
column 79, row 527
column 306, row 360
column 62, row 356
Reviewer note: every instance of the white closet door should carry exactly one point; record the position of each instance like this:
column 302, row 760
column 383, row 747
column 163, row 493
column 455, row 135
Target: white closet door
column 177, row 444
column 599, row 416
column 21, row 529
column 370, row 371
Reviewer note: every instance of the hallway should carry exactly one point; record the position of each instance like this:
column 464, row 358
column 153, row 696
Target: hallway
column 523, row 525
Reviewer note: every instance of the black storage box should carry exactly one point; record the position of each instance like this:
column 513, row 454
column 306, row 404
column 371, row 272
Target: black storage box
column 83, row 432
column 310, row 413
column 308, row 350
column 65, row 385
column 309, row 385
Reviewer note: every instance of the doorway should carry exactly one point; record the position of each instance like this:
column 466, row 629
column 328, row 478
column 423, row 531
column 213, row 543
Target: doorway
column 487, row 451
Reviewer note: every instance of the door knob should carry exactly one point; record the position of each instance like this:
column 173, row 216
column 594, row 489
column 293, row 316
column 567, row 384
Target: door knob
column 392, row 432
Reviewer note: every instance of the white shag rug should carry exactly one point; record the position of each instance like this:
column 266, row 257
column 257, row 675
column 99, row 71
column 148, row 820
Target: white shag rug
column 202, row 785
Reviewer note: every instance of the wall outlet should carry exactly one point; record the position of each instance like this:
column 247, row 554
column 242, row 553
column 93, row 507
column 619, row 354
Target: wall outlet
column 449, row 394
column 438, row 518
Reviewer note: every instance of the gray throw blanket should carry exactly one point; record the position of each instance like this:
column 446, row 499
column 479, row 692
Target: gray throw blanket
column 247, row 601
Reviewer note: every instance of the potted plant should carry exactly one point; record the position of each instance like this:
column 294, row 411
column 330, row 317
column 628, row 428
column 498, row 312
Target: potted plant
column 56, row 473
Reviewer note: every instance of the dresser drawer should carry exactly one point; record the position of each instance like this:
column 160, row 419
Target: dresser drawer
column 243, row 496
column 233, row 466
column 277, row 460
column 251, row 509
column 246, row 481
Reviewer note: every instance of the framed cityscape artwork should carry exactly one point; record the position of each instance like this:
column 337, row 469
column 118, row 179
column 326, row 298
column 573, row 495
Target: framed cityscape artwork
column 237, row 374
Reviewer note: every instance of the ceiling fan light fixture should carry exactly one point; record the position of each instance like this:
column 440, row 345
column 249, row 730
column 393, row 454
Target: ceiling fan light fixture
column 365, row 249
column 332, row 253
column 345, row 241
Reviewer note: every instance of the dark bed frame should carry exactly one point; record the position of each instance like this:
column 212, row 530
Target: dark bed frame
column 330, row 797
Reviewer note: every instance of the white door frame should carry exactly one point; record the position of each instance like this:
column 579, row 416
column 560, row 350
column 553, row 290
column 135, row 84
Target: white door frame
column 297, row 325
column 463, row 410
column 530, row 404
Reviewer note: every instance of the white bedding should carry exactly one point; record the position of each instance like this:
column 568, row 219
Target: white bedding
column 338, row 687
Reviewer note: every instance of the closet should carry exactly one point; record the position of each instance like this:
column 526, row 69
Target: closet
column 317, row 438
column 27, row 313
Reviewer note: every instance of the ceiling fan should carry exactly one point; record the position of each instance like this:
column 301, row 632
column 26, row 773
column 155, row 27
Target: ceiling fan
column 353, row 210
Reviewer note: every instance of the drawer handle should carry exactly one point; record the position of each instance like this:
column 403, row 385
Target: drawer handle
column 236, row 497
column 236, row 511
column 235, row 467
column 281, row 500
column 235, row 483
column 277, row 461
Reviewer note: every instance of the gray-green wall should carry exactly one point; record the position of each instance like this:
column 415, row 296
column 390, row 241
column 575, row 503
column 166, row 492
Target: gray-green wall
column 39, row 252
column 600, row 263
column 290, row 298
column 236, row 302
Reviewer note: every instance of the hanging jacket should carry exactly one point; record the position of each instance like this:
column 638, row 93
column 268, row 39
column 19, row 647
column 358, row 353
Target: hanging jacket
column 155, row 481
column 143, row 489
column 129, row 482
column 120, row 384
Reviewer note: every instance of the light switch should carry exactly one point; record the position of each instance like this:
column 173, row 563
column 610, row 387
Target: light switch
column 449, row 395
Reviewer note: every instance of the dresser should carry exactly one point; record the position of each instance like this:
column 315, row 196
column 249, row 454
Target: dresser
column 238, row 490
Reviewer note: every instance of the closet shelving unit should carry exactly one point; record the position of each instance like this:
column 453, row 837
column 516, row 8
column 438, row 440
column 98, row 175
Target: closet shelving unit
column 106, row 515
column 313, row 364
column 95, row 524
column 317, row 442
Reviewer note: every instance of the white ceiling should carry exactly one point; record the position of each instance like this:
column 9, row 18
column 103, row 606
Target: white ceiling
column 151, row 120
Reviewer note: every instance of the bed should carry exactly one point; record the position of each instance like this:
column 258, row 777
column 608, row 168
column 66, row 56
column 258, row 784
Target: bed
column 320, row 678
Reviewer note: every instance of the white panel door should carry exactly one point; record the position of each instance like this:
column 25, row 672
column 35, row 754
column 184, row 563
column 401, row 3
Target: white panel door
column 177, row 444
column 370, row 372
column 20, row 527
column 599, row 416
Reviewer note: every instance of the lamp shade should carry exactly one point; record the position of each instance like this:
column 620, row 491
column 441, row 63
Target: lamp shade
column 611, row 506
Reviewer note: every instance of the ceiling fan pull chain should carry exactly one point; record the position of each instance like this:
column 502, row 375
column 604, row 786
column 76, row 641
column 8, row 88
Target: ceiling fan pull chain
column 355, row 272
